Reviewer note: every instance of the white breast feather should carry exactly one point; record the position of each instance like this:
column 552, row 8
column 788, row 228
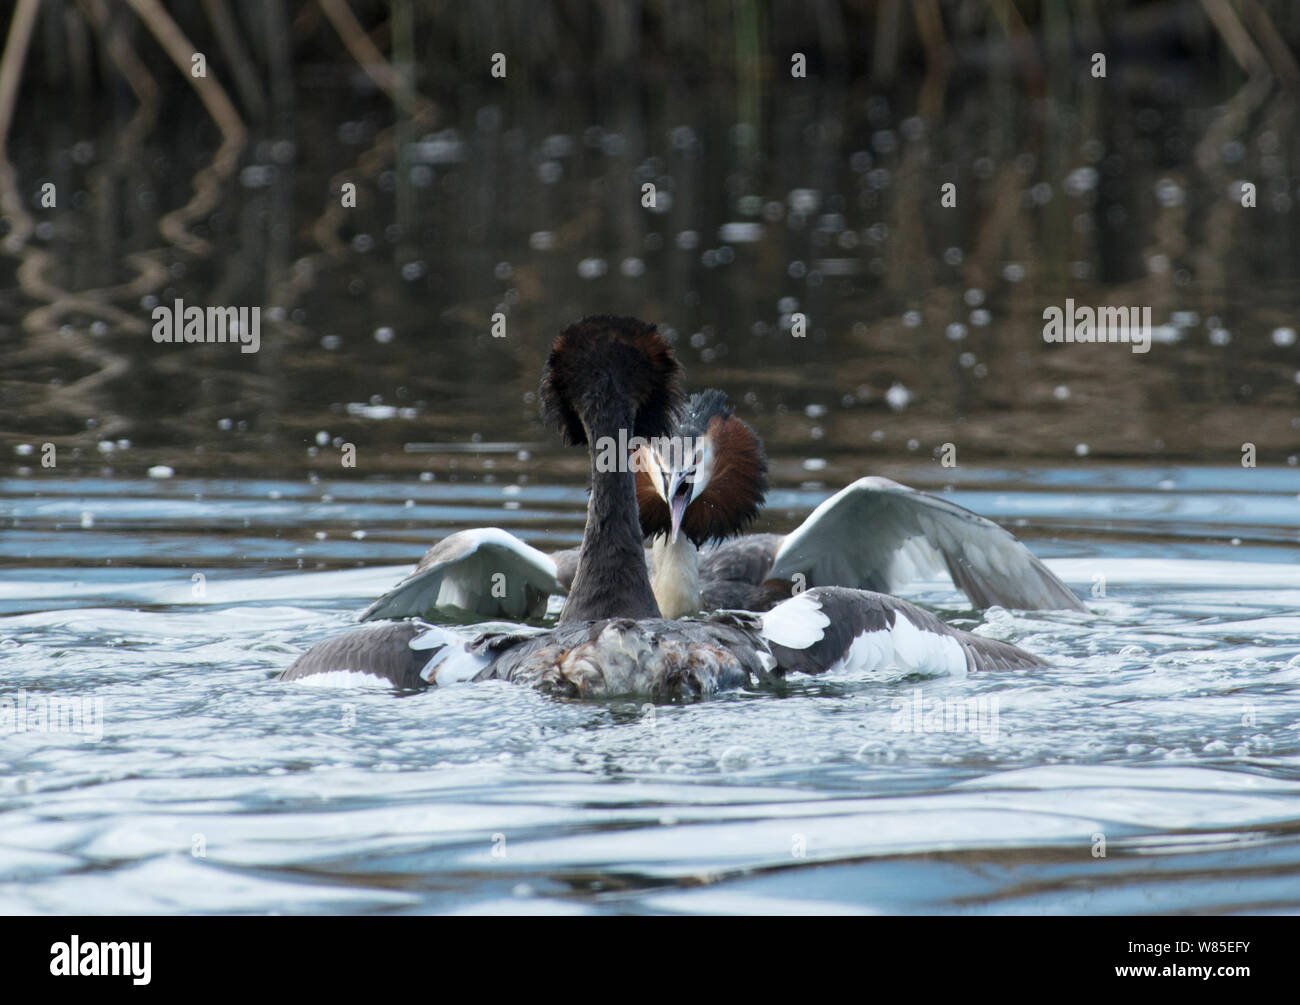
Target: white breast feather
column 675, row 576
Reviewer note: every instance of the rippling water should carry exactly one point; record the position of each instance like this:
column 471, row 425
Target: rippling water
column 1154, row 767
column 1164, row 735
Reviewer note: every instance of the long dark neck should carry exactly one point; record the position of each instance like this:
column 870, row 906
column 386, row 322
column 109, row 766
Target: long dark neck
column 612, row 581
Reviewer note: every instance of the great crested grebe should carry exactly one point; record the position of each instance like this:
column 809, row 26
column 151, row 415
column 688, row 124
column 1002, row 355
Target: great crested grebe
column 703, row 485
column 874, row 534
column 608, row 378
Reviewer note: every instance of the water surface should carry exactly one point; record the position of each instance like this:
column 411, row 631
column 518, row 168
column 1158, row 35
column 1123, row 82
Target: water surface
column 1165, row 728
column 177, row 523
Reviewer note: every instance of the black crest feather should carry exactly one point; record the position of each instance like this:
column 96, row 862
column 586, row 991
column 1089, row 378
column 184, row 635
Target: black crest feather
column 606, row 358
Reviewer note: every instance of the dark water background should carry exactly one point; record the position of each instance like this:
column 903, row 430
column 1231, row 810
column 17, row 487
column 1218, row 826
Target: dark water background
column 1168, row 721
column 522, row 196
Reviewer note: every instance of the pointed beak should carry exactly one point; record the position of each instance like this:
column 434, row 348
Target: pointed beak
column 677, row 503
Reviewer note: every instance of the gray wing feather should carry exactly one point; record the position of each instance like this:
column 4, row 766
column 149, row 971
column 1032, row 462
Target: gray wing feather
column 383, row 651
column 462, row 573
column 746, row 559
column 878, row 534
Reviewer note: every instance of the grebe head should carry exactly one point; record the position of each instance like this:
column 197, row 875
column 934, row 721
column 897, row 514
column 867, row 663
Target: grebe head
column 602, row 363
column 708, row 479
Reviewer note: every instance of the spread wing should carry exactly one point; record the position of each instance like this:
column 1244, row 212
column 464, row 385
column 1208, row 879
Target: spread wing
column 487, row 572
column 877, row 534
column 743, row 559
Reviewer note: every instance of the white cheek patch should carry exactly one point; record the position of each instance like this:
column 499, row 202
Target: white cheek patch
column 796, row 623
column 703, row 470
column 655, row 469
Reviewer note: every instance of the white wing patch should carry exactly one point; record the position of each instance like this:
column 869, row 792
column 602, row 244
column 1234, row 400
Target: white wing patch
column 451, row 662
column 926, row 652
column 903, row 648
column 796, row 623
column 870, row 651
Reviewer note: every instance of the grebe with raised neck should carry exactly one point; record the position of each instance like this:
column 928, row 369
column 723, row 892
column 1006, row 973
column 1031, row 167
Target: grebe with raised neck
column 607, row 376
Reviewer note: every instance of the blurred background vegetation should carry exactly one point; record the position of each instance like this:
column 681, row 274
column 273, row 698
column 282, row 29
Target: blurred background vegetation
column 522, row 195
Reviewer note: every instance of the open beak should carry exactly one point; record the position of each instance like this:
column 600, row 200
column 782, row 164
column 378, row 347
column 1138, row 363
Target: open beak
column 677, row 503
